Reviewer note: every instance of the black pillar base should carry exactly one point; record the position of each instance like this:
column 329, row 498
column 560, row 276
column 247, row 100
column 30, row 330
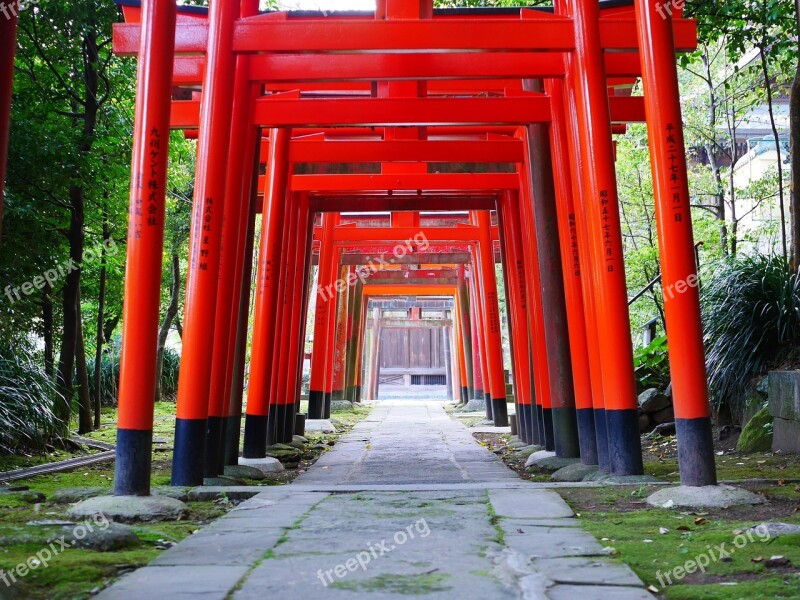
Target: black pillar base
column 565, row 432
column 534, row 428
column 358, row 394
column 624, row 442
column 286, row 422
column 189, row 452
column 274, row 424
column 500, row 412
column 586, row 436
column 540, row 424
column 132, row 468
column 547, row 422
column 213, row 456
column 233, row 431
column 464, row 395
column 522, row 431
column 601, row 435
column 255, row 436
column 696, row 452
column 526, row 410
column 316, row 404
column 488, row 400
column 327, row 411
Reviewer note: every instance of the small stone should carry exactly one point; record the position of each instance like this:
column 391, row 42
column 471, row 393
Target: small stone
column 7, row 489
column 665, row 428
column 776, row 561
column 31, row 497
column 72, row 495
column 644, row 423
column 475, row 405
column 243, row 472
column 103, row 537
column 266, row 465
column 129, row 509
column 666, row 415
column 653, row 400
column 179, row 492
column 320, row 426
column 757, row 434
column 711, row 496
column 284, row 453
column 574, row 472
column 555, row 463
column 531, row 462
column 341, row 405
column 222, row 481
column 772, row 530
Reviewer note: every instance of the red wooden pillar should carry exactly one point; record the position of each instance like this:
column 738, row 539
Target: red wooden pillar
column 494, row 345
column 144, row 249
column 479, row 311
column 333, row 305
column 238, row 182
column 539, row 350
column 288, row 395
column 340, row 334
column 601, row 210
column 8, row 46
column 676, row 245
column 515, row 269
column 576, row 163
column 266, row 300
column 325, row 291
column 239, row 353
column 204, row 248
column 478, row 366
column 571, row 268
column 283, row 318
column 465, row 330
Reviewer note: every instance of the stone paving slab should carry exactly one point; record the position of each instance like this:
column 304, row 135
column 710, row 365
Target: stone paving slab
column 177, row 582
column 407, row 504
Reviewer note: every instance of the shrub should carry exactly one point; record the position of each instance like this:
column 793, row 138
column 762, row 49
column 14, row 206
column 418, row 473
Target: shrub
column 27, row 396
column 651, row 366
column 751, row 321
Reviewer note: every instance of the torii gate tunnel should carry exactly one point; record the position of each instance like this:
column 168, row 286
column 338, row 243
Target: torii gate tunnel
column 402, row 152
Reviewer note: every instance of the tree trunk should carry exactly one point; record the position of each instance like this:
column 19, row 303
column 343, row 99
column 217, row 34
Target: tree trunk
column 172, row 310
column 47, row 329
column 75, row 234
column 768, row 87
column 71, row 313
column 85, row 404
column 99, row 340
column 794, row 133
column 711, row 149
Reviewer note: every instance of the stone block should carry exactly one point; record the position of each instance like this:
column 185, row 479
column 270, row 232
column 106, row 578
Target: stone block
column 784, row 395
column 786, row 435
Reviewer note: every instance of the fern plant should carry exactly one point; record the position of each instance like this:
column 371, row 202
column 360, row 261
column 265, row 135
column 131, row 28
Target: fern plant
column 751, row 321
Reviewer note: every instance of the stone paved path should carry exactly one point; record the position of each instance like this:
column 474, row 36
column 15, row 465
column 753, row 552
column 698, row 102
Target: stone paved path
column 407, row 504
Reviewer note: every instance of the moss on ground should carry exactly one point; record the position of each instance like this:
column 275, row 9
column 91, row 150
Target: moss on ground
column 653, row 542
column 75, row 573
column 406, row 585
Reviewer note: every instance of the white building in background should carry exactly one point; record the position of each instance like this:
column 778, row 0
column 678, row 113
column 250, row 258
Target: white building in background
column 755, row 137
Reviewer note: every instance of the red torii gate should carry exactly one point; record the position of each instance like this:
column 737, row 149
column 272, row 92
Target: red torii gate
column 575, row 112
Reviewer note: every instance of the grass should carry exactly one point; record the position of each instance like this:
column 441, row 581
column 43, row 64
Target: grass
column 637, row 538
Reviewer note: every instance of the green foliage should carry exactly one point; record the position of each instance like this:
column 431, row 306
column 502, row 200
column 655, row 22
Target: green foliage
column 751, row 317
column 109, row 374
column 26, row 397
column 651, row 366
